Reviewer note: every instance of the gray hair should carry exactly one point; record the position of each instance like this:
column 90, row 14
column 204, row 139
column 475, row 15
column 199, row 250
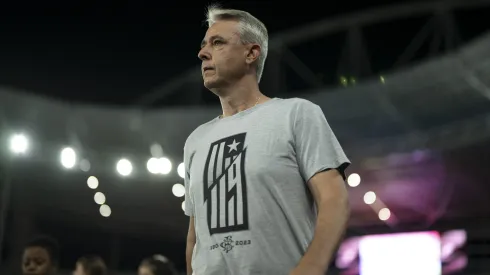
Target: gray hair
column 252, row 30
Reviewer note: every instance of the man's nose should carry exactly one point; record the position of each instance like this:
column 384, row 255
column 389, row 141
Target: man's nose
column 204, row 54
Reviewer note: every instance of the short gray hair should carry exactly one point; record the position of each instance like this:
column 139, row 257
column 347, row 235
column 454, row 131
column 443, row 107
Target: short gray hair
column 252, row 30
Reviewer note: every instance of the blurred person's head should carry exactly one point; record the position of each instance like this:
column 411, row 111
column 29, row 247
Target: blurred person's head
column 90, row 265
column 157, row 265
column 40, row 256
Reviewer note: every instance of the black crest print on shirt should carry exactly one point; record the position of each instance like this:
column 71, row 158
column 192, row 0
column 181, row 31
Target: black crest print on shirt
column 225, row 185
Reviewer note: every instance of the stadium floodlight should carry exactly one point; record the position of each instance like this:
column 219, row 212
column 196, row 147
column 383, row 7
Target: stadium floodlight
column 181, row 170
column 166, row 166
column 105, row 210
column 19, row 144
column 153, row 166
column 68, row 158
column 124, row 167
column 99, row 198
column 161, row 166
column 384, row 214
column 369, row 197
column 354, row 180
column 178, row 190
column 92, row 182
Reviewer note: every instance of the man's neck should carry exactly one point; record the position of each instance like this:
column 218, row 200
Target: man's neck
column 239, row 98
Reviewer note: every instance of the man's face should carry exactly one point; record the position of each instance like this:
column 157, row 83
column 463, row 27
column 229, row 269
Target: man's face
column 36, row 261
column 224, row 57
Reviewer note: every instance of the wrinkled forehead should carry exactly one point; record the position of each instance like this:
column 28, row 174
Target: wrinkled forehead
column 227, row 29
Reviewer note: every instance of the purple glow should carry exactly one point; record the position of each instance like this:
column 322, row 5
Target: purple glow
column 347, row 253
column 402, row 254
column 459, row 262
column 451, row 241
column 419, row 155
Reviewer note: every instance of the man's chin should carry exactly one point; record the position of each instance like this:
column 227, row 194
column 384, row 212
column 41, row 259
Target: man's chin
column 211, row 84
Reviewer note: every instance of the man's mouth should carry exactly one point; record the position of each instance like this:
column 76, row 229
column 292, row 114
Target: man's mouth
column 207, row 68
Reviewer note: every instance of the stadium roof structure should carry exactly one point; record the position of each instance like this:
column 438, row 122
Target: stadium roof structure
column 443, row 103
column 439, row 105
column 347, row 48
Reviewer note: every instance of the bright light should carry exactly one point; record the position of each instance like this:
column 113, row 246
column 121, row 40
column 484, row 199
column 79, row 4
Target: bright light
column 19, row 144
column 384, row 214
column 152, row 165
column 354, row 180
column 68, row 158
column 401, row 254
column 99, row 198
column 369, row 197
column 105, row 210
column 159, row 166
column 124, row 167
column 92, row 182
column 165, row 166
column 183, row 206
column 178, row 190
column 181, row 170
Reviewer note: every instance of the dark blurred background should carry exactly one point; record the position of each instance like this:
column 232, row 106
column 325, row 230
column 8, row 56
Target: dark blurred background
column 405, row 86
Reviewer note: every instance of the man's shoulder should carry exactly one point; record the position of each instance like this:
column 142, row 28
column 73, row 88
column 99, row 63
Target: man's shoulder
column 299, row 109
column 297, row 104
column 296, row 101
column 198, row 132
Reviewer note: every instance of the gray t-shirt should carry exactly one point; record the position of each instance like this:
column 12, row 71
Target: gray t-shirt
column 246, row 186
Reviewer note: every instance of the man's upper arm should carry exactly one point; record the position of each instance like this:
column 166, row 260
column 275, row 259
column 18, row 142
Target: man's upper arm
column 317, row 148
column 334, row 190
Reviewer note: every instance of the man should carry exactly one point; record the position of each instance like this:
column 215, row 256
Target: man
column 264, row 181
column 40, row 257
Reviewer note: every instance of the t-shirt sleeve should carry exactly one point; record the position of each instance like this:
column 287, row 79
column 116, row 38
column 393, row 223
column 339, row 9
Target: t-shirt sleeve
column 188, row 203
column 317, row 149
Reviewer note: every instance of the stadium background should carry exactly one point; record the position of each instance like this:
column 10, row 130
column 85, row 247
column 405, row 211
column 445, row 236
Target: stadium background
column 405, row 86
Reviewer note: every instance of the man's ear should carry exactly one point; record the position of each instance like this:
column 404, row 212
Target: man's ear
column 253, row 53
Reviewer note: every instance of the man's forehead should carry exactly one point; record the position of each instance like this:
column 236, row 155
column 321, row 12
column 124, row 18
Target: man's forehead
column 222, row 28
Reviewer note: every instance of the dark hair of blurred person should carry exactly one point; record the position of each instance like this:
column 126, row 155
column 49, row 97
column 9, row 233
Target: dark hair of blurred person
column 90, row 265
column 40, row 256
column 157, row 265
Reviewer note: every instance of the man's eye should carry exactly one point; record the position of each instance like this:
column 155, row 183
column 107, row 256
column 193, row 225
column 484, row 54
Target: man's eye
column 217, row 42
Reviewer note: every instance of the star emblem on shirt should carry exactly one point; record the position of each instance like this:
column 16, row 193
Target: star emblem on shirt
column 233, row 146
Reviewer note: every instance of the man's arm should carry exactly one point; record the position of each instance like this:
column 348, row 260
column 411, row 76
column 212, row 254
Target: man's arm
column 322, row 164
column 330, row 195
column 191, row 241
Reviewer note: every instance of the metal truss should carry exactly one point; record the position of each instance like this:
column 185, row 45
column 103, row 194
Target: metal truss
column 440, row 28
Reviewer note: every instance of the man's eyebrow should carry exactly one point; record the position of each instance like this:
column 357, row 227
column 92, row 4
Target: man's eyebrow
column 203, row 42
